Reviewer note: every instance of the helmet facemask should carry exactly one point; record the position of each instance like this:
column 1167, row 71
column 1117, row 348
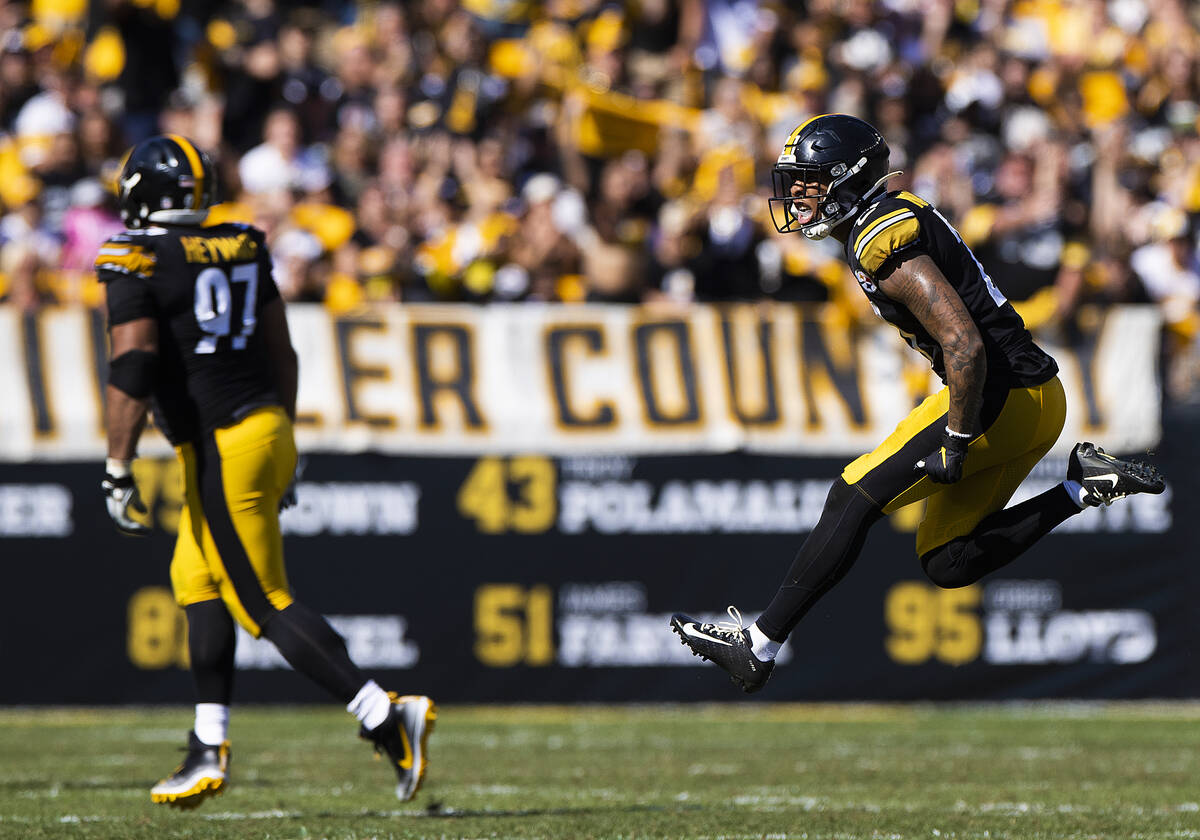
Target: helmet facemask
column 833, row 204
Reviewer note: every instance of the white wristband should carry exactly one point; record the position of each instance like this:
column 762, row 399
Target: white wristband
column 117, row 467
column 958, row 435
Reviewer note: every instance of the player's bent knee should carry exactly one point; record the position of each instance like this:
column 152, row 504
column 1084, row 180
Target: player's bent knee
column 946, row 566
column 846, row 499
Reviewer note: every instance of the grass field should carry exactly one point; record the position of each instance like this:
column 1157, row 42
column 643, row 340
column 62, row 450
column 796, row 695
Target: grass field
column 1025, row 771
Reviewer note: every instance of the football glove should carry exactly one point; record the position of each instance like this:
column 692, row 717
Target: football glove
column 288, row 499
column 944, row 465
column 120, row 496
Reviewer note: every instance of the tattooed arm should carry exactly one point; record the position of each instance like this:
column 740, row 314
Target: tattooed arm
column 920, row 286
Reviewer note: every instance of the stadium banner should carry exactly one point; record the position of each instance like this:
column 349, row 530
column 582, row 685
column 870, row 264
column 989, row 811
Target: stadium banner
column 532, row 578
column 565, row 380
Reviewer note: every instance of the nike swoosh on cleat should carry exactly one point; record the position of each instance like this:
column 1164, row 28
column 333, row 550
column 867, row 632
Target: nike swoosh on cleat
column 1106, row 477
column 695, row 634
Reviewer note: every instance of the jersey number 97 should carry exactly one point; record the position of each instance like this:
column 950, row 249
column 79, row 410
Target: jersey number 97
column 214, row 309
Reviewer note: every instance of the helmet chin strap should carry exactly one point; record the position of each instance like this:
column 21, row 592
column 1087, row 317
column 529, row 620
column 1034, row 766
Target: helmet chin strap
column 880, row 183
column 820, row 230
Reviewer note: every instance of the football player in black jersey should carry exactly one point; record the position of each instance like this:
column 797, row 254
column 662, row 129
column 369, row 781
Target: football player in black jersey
column 199, row 337
column 965, row 449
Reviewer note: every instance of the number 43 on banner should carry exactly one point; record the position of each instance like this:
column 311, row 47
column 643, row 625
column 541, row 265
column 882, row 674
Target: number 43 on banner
column 510, row 494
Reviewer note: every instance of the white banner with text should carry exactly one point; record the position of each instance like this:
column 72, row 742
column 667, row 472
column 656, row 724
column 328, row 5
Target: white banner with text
column 596, row 379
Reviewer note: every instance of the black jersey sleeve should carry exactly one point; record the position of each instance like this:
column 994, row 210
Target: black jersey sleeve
column 126, row 267
column 128, row 298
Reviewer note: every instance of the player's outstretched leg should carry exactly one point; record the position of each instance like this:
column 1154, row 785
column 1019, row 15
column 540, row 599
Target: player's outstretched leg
column 201, row 775
column 398, row 726
column 404, row 738
column 726, row 644
column 826, row 555
column 1102, row 479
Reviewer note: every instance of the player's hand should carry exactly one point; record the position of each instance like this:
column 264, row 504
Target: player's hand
column 288, row 499
column 944, row 465
column 121, row 495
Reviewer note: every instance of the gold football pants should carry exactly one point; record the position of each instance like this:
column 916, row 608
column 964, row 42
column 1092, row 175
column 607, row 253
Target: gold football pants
column 230, row 546
column 1020, row 425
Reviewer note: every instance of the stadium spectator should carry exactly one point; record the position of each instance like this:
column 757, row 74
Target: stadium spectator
column 17, row 84
column 149, row 71
column 21, row 266
column 89, row 220
column 304, row 85
column 545, row 261
column 281, row 162
column 1169, row 270
column 1017, row 231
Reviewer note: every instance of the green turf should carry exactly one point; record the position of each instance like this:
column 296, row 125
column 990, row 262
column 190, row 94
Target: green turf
column 1025, row 771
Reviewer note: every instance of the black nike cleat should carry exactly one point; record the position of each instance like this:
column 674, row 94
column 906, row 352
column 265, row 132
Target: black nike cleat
column 404, row 739
column 1105, row 478
column 728, row 645
column 202, row 775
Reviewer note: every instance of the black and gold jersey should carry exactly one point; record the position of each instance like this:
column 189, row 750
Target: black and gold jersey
column 206, row 288
column 900, row 225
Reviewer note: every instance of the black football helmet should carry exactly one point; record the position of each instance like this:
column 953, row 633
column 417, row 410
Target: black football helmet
column 846, row 156
column 165, row 179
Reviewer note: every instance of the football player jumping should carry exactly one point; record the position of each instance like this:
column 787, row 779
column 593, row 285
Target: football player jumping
column 965, row 449
column 198, row 333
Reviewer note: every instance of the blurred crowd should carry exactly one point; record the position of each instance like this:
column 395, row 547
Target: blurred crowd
column 581, row 150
